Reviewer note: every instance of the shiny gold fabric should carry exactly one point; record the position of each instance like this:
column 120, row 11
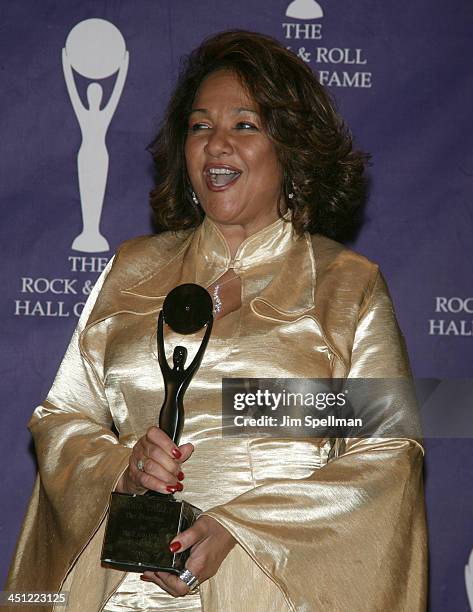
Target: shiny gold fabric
column 320, row 524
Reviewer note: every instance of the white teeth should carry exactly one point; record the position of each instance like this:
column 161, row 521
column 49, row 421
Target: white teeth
column 222, row 171
column 220, row 177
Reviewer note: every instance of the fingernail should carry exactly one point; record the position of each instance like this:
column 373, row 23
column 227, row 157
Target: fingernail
column 145, row 579
column 180, row 476
column 174, row 546
column 176, row 487
column 176, row 453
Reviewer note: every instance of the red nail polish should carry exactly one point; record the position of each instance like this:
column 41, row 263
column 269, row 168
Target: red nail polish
column 172, row 488
column 145, row 579
column 180, row 476
column 176, row 453
column 175, row 546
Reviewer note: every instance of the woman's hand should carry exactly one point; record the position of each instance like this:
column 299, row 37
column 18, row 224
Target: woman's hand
column 161, row 460
column 210, row 543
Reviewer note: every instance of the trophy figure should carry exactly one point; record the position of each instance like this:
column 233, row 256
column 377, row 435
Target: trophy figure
column 95, row 48
column 140, row 527
column 304, row 9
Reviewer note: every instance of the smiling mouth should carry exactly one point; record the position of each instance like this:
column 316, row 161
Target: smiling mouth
column 220, row 178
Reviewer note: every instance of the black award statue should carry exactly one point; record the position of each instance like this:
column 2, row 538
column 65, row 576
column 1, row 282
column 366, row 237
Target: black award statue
column 140, row 527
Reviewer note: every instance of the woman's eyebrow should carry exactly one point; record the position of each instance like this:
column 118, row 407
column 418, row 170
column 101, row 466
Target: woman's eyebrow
column 237, row 110
column 244, row 109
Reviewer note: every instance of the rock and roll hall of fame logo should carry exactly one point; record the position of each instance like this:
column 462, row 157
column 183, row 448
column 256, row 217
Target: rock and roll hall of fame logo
column 96, row 50
column 336, row 64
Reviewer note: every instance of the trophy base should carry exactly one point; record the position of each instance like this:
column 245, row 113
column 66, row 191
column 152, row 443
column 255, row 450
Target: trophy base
column 139, row 530
column 90, row 242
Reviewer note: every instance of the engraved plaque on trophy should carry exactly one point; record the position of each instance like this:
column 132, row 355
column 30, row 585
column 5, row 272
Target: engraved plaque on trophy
column 140, row 527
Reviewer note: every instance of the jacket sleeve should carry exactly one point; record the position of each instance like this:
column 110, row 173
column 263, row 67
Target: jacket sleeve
column 79, row 463
column 352, row 536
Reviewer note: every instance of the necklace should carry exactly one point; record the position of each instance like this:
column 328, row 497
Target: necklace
column 217, row 300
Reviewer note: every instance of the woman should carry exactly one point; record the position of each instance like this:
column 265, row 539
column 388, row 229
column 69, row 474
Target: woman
column 251, row 160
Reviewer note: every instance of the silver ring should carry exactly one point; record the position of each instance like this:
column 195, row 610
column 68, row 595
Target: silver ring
column 188, row 577
column 141, row 465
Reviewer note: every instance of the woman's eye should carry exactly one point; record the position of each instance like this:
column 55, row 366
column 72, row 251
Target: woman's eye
column 245, row 125
column 195, row 127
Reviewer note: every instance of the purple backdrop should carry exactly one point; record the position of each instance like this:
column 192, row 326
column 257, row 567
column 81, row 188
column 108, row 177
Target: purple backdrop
column 399, row 75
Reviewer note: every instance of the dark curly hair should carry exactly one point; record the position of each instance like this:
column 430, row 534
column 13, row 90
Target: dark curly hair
column 313, row 144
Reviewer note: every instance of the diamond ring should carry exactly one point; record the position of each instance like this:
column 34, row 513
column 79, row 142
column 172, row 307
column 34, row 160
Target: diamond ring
column 188, row 577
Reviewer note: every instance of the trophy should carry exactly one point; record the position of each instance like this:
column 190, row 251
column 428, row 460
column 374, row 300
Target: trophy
column 96, row 50
column 140, row 527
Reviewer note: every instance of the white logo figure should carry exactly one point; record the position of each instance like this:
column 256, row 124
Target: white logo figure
column 304, row 9
column 469, row 579
column 96, row 49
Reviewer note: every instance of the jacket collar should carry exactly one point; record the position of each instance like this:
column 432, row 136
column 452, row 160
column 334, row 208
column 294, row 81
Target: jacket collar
column 275, row 253
column 204, row 257
column 290, row 294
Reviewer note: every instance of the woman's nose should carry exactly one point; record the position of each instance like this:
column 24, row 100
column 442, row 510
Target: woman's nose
column 218, row 143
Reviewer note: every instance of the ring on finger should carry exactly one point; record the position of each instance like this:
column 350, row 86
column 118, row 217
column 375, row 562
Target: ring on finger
column 140, row 464
column 191, row 581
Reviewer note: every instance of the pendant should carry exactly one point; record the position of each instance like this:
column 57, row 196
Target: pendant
column 216, row 300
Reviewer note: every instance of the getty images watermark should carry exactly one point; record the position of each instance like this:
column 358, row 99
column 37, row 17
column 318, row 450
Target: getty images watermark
column 381, row 407
column 288, row 402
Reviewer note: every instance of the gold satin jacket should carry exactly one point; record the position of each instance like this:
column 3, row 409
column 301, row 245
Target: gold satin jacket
column 333, row 525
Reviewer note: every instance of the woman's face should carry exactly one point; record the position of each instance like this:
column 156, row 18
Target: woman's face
column 231, row 162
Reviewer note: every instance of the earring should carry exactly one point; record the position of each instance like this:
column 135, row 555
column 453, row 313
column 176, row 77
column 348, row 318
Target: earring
column 291, row 194
column 195, row 199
